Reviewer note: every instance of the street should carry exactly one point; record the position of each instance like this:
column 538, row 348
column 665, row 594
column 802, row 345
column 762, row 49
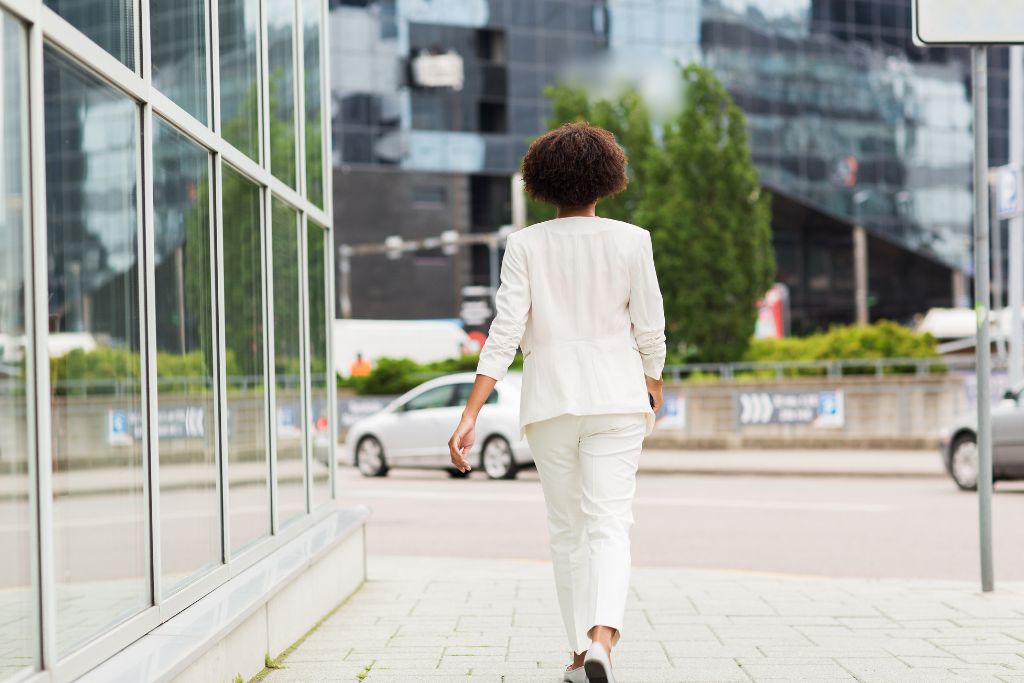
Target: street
column 826, row 526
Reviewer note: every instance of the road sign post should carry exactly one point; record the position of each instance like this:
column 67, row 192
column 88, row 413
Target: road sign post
column 983, row 350
column 976, row 23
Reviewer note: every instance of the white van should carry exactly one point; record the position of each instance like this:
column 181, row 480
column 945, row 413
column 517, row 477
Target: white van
column 423, row 341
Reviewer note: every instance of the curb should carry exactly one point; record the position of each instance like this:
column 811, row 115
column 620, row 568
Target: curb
column 838, row 474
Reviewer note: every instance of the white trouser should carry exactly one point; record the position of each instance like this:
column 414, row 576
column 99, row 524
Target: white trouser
column 587, row 466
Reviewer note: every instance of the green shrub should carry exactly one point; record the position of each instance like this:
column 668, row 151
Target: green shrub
column 883, row 339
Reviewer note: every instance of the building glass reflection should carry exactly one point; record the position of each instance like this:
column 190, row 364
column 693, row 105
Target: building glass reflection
column 16, row 595
column 92, row 152
column 190, row 537
column 291, row 470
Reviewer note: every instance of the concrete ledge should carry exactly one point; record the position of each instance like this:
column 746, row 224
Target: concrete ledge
column 807, row 463
column 261, row 611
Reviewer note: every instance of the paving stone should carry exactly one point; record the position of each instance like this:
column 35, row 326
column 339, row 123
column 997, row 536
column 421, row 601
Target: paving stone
column 458, row 619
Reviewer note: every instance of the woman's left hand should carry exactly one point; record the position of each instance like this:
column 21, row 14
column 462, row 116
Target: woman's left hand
column 461, row 443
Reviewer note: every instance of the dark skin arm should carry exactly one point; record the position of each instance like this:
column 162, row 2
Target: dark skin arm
column 465, row 434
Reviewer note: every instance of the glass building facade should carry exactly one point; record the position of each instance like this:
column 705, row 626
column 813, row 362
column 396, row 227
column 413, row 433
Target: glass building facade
column 843, row 114
column 846, row 117
column 165, row 292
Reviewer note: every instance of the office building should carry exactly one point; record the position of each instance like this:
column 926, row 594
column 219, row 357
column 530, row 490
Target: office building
column 850, row 125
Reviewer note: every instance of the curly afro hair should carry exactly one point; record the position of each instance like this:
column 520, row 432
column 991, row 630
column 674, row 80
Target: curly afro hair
column 574, row 165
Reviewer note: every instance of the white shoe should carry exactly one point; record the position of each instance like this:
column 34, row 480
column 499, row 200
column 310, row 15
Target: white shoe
column 597, row 665
column 577, row 675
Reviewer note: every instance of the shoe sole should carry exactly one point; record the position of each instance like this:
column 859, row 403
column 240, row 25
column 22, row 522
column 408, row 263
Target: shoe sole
column 596, row 672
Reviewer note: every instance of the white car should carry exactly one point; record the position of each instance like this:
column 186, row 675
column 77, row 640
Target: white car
column 413, row 430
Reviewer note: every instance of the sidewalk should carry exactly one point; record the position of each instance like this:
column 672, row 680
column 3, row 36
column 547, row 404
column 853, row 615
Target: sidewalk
column 447, row 619
column 799, row 463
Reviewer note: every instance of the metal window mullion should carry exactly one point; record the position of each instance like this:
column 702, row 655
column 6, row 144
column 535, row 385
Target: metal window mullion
column 213, row 20
column 264, row 90
column 26, row 10
column 32, row 359
column 327, row 142
column 327, row 165
column 299, row 95
column 143, row 53
column 264, row 243
column 208, row 28
column 270, row 355
column 151, row 443
column 191, row 127
column 97, row 61
column 306, row 392
column 266, row 227
column 262, row 176
column 216, row 275
column 47, row 605
column 221, row 383
column 332, row 382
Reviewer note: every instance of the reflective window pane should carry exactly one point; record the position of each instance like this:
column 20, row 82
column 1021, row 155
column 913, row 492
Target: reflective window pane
column 178, row 37
column 17, row 632
column 99, row 536
column 239, row 64
column 320, row 413
column 249, row 501
column 291, row 471
column 280, row 31
column 313, row 105
column 109, row 23
column 190, row 539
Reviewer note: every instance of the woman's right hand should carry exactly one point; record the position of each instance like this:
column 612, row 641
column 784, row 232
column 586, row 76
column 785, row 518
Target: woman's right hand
column 656, row 388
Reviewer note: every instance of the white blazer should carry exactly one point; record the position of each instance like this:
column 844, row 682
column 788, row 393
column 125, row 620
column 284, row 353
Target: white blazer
column 580, row 296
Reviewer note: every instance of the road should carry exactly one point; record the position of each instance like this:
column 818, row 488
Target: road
column 826, row 526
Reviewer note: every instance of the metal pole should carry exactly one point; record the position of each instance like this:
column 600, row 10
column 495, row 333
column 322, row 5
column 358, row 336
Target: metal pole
column 1016, row 246
column 996, row 237
column 345, row 266
column 979, row 96
column 860, row 273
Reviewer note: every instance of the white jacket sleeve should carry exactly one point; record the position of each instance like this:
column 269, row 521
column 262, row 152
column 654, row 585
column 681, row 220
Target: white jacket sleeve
column 512, row 307
column 646, row 309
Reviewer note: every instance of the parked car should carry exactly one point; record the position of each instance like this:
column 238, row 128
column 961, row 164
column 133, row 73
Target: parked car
column 959, row 443
column 413, row 430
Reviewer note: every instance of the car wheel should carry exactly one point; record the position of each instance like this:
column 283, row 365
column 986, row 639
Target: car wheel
column 457, row 473
column 963, row 462
column 498, row 459
column 370, row 457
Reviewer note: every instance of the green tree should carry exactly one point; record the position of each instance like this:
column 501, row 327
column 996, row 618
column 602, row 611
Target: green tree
column 710, row 223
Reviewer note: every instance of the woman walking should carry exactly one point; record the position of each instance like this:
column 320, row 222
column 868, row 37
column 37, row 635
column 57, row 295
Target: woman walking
column 580, row 295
